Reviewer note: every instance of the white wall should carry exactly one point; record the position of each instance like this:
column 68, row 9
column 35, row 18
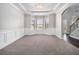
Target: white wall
column 11, row 24
column 59, row 25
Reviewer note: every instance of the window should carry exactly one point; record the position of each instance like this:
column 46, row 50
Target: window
column 39, row 23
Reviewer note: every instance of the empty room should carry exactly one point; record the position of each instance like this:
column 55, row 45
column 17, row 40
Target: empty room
column 39, row 28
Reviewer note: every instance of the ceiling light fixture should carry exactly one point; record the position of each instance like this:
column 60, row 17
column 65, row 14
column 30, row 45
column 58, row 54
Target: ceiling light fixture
column 39, row 6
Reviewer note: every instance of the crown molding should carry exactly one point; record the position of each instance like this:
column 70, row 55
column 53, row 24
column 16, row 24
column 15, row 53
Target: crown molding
column 32, row 12
column 56, row 6
column 61, row 10
column 11, row 4
column 25, row 11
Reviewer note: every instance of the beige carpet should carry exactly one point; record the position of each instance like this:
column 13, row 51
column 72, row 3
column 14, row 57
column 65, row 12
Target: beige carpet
column 39, row 45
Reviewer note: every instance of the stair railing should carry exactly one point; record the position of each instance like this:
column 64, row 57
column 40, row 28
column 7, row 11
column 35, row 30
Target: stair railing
column 74, row 26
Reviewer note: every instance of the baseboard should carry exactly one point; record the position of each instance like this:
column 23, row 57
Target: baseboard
column 60, row 37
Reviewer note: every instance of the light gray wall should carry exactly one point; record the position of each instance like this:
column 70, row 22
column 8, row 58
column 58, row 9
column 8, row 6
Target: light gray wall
column 52, row 21
column 27, row 21
column 10, row 18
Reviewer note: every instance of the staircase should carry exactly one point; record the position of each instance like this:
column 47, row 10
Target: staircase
column 73, row 36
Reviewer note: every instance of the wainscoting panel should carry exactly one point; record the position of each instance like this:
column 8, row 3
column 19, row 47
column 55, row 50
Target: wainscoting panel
column 2, row 38
column 8, row 37
column 49, row 31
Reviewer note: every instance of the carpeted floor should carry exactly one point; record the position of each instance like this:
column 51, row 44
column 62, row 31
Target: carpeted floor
column 40, row 45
